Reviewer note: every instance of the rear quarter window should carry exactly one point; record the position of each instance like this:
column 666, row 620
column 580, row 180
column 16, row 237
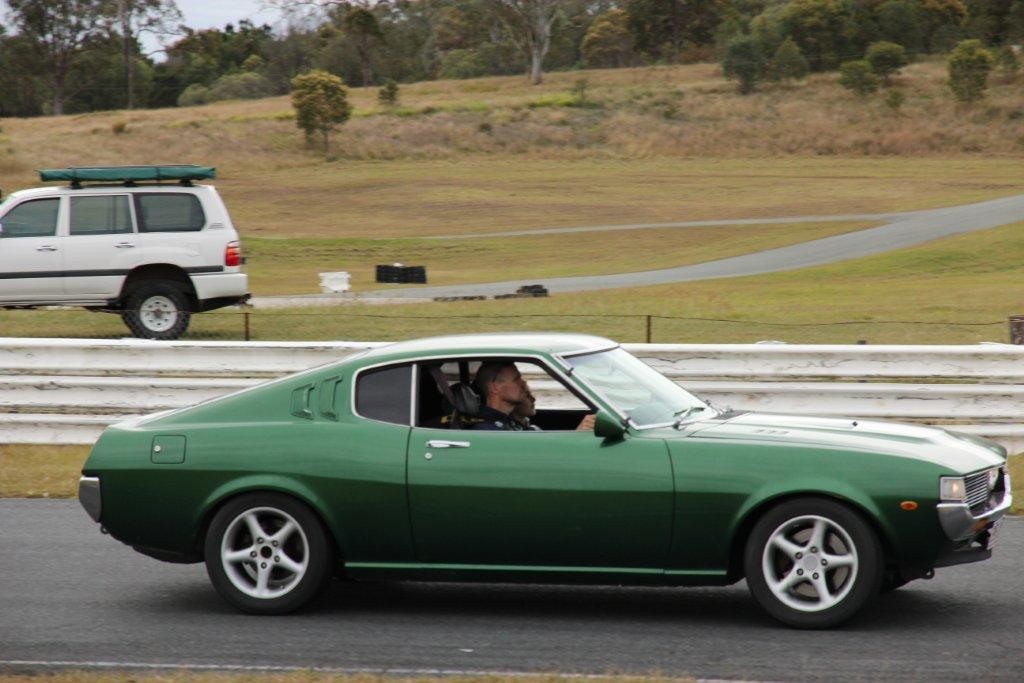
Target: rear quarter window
column 166, row 212
column 385, row 394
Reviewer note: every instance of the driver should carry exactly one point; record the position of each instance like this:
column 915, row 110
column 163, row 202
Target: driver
column 501, row 389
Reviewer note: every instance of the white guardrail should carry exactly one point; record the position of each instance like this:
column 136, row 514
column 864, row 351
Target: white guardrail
column 65, row 391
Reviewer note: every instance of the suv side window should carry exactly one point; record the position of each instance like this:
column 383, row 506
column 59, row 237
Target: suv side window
column 169, row 212
column 35, row 218
column 102, row 215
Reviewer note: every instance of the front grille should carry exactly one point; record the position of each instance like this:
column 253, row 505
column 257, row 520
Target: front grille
column 977, row 488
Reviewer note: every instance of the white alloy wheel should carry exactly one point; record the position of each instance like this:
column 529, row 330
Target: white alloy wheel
column 813, row 562
column 810, row 563
column 158, row 313
column 264, row 552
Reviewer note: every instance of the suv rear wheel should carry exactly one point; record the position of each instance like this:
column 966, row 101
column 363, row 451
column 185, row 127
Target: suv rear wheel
column 156, row 310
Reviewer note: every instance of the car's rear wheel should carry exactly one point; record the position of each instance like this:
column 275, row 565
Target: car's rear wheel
column 156, row 310
column 813, row 563
column 267, row 553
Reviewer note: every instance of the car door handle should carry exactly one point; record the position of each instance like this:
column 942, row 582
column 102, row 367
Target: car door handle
column 46, row 247
column 124, row 245
column 447, row 444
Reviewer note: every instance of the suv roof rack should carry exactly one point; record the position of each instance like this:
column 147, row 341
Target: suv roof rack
column 129, row 175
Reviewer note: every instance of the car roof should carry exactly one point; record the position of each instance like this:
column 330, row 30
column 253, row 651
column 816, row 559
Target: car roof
column 98, row 188
column 512, row 344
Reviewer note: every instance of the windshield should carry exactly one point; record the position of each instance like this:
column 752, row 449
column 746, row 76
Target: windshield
column 646, row 396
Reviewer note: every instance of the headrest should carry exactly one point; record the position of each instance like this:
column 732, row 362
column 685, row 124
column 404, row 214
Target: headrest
column 467, row 401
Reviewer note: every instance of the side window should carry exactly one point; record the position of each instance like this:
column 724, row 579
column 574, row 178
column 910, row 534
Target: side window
column 169, row 213
column 384, row 394
column 36, row 218
column 102, row 215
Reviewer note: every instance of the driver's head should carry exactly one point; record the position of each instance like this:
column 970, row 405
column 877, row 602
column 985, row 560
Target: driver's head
column 526, row 408
column 500, row 385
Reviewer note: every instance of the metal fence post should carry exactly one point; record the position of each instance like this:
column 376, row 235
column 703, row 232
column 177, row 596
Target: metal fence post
column 1017, row 329
column 245, row 322
column 648, row 335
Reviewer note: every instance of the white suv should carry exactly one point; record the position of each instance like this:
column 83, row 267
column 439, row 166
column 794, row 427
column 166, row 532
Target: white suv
column 153, row 252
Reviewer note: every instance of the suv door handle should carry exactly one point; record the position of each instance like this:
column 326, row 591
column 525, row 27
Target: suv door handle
column 447, row 444
column 46, row 247
column 124, row 245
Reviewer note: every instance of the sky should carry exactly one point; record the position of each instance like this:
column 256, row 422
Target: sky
column 216, row 13
column 200, row 14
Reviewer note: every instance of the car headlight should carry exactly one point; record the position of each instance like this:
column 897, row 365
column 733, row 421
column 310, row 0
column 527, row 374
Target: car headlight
column 952, row 488
column 993, row 477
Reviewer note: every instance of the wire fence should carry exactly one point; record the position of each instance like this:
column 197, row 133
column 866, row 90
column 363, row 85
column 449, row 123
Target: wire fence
column 323, row 325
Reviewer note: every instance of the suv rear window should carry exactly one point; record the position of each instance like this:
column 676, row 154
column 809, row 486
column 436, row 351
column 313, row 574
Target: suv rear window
column 37, row 218
column 169, row 213
column 103, row 215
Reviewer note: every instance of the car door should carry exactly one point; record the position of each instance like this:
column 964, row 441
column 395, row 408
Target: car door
column 101, row 246
column 538, row 498
column 30, row 252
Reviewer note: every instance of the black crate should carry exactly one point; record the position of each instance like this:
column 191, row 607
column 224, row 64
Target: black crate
column 400, row 275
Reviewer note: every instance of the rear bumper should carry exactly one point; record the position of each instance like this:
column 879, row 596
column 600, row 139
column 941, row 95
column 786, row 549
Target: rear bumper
column 89, row 496
column 221, row 286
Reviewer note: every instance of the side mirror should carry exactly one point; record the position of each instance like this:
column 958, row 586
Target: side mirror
column 607, row 426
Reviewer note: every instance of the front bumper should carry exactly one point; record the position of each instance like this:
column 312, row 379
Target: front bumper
column 89, row 496
column 961, row 524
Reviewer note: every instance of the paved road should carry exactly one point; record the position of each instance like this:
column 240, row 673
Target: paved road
column 904, row 230
column 69, row 595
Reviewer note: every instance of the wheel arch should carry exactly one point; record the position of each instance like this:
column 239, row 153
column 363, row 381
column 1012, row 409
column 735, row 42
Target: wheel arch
column 291, row 488
column 754, row 512
column 159, row 272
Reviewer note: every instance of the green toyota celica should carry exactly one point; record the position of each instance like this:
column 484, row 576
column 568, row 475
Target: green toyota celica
column 386, row 465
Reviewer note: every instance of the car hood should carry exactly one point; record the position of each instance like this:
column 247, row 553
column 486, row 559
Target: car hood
column 961, row 453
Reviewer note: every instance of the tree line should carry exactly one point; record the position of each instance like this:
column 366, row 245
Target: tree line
column 66, row 56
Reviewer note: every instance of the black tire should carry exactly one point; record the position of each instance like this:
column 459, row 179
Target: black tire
column 258, row 565
column 804, row 585
column 156, row 310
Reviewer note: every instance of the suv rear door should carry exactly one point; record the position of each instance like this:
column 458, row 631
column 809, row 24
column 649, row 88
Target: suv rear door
column 30, row 252
column 101, row 246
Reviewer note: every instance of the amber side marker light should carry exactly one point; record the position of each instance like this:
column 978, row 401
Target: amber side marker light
column 908, row 505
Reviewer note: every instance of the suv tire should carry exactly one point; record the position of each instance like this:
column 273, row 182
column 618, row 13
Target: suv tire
column 156, row 310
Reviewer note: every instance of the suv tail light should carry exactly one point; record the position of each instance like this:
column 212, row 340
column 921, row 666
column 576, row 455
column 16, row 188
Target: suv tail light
column 233, row 254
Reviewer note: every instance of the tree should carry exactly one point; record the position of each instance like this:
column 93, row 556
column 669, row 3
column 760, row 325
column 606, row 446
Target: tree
column 662, row 28
column 788, row 63
column 362, row 29
column 825, row 30
column 135, row 17
column 969, row 67
column 388, row 93
column 608, row 42
column 321, row 104
column 886, row 59
column 1007, row 61
column 744, row 62
column 528, row 23
column 858, row 77
column 58, row 29
column 900, row 21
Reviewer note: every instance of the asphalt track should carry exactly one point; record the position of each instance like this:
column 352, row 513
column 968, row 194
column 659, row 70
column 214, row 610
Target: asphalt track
column 902, row 230
column 72, row 598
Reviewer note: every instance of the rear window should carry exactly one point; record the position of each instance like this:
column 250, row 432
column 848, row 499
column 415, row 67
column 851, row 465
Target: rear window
column 166, row 212
column 102, row 215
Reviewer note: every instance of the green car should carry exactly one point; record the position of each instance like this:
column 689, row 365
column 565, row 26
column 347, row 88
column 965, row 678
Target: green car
column 400, row 463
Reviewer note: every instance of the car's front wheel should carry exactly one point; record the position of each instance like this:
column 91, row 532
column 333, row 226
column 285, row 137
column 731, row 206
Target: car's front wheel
column 156, row 310
column 813, row 563
column 267, row 553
